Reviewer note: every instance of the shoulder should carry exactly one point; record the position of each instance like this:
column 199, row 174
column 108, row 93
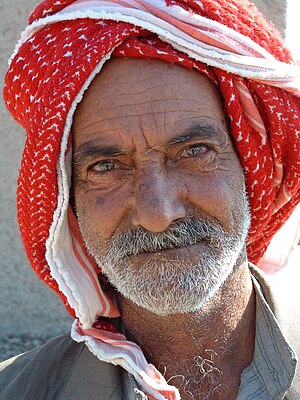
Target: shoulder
column 61, row 369
column 35, row 371
column 282, row 294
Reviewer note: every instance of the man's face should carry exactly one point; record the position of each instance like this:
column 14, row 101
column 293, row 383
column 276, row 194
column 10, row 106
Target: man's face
column 159, row 189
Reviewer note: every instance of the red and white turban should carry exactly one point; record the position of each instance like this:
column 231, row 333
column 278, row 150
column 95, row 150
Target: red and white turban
column 59, row 54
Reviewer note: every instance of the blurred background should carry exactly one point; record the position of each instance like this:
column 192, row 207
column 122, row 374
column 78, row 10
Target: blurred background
column 29, row 312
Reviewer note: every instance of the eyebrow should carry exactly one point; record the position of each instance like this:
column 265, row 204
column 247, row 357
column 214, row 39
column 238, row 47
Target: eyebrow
column 197, row 130
column 93, row 148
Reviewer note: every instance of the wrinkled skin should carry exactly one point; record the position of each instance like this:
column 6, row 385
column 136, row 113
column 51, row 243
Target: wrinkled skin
column 151, row 147
column 153, row 183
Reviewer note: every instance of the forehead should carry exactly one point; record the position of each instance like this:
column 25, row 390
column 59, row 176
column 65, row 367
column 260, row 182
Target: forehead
column 130, row 96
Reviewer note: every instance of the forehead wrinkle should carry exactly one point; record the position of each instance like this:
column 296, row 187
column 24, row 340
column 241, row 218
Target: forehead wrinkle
column 146, row 70
column 87, row 115
column 134, row 89
column 131, row 88
column 130, row 85
column 167, row 102
column 115, row 118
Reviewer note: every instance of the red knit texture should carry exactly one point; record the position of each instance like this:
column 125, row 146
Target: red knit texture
column 51, row 68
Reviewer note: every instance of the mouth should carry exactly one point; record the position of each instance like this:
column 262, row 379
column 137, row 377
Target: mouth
column 176, row 250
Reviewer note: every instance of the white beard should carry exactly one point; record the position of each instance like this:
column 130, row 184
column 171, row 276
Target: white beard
column 164, row 285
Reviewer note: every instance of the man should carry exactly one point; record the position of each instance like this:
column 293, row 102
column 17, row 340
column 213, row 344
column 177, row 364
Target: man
column 133, row 198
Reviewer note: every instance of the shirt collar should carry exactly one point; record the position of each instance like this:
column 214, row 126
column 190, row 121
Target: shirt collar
column 274, row 363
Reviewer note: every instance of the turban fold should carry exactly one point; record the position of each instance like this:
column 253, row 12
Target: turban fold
column 59, row 54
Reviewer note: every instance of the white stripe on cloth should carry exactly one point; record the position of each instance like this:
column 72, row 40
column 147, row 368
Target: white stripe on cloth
column 114, row 348
column 72, row 276
column 251, row 111
column 201, row 38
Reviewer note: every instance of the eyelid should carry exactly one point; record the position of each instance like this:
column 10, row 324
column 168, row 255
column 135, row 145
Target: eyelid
column 94, row 164
column 207, row 148
column 118, row 167
column 210, row 143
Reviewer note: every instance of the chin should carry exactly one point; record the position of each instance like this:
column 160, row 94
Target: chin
column 168, row 287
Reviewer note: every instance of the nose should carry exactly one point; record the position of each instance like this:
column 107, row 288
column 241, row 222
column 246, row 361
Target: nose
column 157, row 202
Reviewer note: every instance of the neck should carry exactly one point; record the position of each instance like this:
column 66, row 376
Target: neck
column 200, row 352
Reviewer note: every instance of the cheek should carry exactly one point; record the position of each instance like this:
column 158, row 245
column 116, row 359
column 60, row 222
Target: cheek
column 101, row 213
column 216, row 194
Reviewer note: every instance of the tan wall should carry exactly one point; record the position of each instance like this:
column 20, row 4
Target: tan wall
column 28, row 310
column 275, row 10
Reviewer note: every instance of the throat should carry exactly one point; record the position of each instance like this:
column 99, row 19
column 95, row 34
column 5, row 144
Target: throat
column 200, row 378
column 202, row 370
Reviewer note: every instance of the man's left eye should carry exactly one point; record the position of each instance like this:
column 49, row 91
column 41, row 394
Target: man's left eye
column 195, row 150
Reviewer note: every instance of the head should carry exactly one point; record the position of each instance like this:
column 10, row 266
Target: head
column 159, row 189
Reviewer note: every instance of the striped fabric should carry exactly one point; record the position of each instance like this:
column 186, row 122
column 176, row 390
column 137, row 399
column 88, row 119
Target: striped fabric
column 203, row 39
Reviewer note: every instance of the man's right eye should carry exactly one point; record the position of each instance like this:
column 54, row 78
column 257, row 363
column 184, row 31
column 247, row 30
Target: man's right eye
column 105, row 166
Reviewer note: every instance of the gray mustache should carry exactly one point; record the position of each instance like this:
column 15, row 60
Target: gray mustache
column 180, row 233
